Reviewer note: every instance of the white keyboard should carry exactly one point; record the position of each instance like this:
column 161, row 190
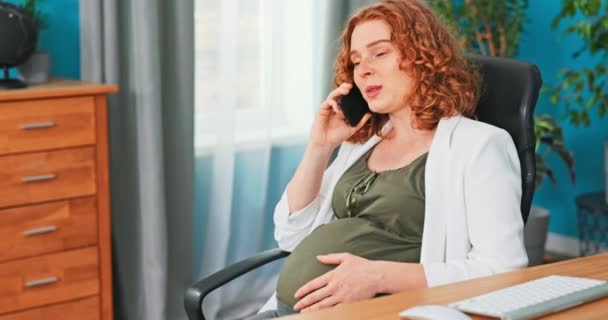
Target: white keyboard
column 535, row 298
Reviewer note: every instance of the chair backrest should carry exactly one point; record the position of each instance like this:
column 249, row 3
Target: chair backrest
column 508, row 96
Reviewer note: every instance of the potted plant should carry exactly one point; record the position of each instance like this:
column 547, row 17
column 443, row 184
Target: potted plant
column 37, row 68
column 584, row 90
column 493, row 28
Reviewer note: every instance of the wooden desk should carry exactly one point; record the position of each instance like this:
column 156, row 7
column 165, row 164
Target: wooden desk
column 388, row 307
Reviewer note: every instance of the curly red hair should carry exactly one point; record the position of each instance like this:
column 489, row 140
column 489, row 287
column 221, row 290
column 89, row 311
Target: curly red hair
column 446, row 84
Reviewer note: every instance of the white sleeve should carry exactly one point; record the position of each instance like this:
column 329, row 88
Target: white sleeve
column 492, row 190
column 290, row 230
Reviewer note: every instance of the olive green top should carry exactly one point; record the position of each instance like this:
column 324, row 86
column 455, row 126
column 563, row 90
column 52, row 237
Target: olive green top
column 380, row 216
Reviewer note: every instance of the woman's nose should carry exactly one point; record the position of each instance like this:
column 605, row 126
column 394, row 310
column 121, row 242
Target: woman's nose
column 365, row 68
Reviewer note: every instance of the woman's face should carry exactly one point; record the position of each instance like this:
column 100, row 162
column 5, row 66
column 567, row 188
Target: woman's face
column 376, row 67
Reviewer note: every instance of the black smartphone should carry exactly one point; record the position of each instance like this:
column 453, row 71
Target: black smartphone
column 353, row 106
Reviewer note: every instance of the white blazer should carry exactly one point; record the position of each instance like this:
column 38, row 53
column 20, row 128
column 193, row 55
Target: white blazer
column 472, row 225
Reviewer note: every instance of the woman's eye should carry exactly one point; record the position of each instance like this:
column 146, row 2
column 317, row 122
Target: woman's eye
column 355, row 64
column 380, row 54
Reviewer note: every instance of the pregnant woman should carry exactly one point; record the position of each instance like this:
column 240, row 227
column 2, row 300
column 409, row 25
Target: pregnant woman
column 419, row 194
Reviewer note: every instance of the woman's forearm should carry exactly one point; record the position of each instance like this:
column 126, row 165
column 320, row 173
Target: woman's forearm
column 306, row 182
column 399, row 276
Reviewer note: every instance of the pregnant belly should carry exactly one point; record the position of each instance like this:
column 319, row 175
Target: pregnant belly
column 353, row 235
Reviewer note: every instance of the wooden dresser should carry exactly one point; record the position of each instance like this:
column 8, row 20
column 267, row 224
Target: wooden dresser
column 55, row 249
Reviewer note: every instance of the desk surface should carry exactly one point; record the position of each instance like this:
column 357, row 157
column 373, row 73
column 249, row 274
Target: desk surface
column 388, row 307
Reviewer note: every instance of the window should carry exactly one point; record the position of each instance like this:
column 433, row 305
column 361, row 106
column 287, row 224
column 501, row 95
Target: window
column 253, row 71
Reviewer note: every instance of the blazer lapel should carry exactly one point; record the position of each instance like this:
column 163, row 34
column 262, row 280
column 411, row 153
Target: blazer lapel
column 437, row 195
column 360, row 151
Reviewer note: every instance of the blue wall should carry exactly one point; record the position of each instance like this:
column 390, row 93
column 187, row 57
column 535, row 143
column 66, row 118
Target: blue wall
column 551, row 50
column 61, row 39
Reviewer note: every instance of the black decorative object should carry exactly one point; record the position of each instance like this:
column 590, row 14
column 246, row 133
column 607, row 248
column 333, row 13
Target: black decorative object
column 592, row 223
column 18, row 40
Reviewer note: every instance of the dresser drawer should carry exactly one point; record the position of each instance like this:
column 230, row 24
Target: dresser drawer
column 85, row 309
column 46, row 124
column 40, row 229
column 44, row 176
column 48, row 279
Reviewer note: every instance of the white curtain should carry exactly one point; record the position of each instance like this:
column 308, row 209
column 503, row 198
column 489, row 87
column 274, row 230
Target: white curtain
column 253, row 84
column 261, row 69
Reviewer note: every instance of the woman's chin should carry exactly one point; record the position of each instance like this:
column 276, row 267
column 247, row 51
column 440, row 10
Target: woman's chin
column 377, row 107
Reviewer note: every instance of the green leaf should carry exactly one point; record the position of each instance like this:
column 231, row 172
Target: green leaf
column 574, row 118
column 554, row 97
column 585, row 119
column 590, row 103
column 592, row 7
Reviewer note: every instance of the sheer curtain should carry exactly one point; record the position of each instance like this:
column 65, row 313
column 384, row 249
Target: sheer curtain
column 261, row 69
column 253, row 94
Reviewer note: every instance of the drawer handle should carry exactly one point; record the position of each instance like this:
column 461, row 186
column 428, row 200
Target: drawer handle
column 39, row 125
column 41, row 282
column 38, row 231
column 42, row 177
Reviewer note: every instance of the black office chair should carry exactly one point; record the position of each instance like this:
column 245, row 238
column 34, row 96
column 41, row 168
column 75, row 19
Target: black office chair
column 508, row 97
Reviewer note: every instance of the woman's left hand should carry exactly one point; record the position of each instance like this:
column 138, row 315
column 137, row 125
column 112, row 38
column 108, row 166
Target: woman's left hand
column 354, row 279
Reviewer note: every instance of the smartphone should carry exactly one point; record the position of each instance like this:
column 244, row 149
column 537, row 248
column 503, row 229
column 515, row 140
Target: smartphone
column 353, row 106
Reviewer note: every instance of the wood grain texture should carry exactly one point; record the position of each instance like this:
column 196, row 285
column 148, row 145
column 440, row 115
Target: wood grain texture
column 74, row 171
column 69, row 224
column 58, row 88
column 388, row 307
column 76, row 271
column 55, row 202
column 103, row 195
column 46, row 124
column 85, row 309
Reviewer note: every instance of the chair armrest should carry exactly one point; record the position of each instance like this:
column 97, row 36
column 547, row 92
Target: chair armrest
column 194, row 296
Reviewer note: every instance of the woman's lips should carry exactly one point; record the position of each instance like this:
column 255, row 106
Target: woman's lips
column 372, row 91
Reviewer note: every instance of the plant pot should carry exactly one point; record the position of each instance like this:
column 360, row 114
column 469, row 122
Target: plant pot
column 36, row 69
column 535, row 235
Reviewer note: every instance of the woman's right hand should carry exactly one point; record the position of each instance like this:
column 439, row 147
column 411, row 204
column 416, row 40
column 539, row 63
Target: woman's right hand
column 330, row 127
